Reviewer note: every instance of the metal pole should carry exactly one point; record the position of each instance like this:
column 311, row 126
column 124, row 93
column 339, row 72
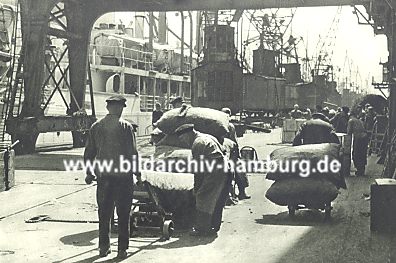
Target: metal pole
column 182, row 44
column 198, row 32
column 191, row 40
column 151, row 31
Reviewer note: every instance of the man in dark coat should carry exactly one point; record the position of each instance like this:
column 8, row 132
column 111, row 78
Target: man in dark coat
column 110, row 139
column 340, row 120
column 360, row 141
column 157, row 113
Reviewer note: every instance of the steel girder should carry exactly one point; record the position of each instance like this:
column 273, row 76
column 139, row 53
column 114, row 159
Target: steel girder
column 80, row 16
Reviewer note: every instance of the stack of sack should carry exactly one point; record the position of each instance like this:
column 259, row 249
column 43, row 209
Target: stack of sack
column 169, row 146
column 205, row 120
column 175, row 190
column 299, row 188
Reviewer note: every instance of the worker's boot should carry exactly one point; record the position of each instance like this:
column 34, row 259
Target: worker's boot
column 231, row 201
column 103, row 252
column 242, row 195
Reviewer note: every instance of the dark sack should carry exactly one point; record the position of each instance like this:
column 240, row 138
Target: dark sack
column 311, row 192
column 312, row 153
column 205, row 120
column 172, row 140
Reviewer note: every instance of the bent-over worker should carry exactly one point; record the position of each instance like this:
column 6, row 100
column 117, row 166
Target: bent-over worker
column 210, row 187
column 315, row 131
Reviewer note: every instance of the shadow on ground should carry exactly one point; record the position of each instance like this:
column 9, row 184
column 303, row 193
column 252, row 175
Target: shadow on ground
column 302, row 218
column 80, row 239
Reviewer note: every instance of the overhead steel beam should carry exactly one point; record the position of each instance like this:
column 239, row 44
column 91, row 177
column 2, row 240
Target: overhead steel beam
column 50, row 124
column 185, row 5
column 237, row 15
column 62, row 34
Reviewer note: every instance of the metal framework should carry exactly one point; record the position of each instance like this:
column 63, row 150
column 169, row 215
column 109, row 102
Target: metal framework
column 72, row 20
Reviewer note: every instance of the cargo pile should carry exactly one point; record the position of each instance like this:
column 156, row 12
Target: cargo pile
column 175, row 190
column 312, row 189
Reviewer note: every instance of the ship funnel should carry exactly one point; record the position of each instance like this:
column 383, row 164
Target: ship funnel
column 129, row 29
column 139, row 26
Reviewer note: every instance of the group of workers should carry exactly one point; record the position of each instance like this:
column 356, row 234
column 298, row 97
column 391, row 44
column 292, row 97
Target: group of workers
column 112, row 137
column 322, row 128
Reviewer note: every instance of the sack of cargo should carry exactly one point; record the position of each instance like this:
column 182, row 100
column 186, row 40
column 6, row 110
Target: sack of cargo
column 205, row 120
column 172, row 140
column 308, row 160
column 169, row 181
column 174, row 193
column 311, row 192
column 167, row 159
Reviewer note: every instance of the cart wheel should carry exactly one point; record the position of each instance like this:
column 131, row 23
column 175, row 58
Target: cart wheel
column 167, row 229
column 292, row 210
column 328, row 209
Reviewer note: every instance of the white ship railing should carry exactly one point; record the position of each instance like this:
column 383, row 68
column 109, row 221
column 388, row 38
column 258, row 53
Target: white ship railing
column 129, row 58
column 147, row 102
column 126, row 57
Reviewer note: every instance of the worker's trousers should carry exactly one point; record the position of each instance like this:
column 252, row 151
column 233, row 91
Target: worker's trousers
column 114, row 191
column 359, row 154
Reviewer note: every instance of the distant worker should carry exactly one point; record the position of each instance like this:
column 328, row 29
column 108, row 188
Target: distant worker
column 332, row 113
column 308, row 114
column 340, row 120
column 360, row 141
column 177, row 102
column 369, row 119
column 296, row 113
column 315, row 131
column 319, row 110
column 110, row 139
column 232, row 133
column 241, row 179
column 157, row 113
column 210, row 187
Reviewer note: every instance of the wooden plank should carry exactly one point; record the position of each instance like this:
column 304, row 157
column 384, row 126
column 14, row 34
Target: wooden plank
column 11, row 171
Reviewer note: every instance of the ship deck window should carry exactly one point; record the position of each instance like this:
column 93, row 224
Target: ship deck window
column 131, row 84
column 174, row 87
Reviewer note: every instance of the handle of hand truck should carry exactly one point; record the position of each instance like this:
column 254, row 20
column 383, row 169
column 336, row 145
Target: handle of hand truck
column 12, row 146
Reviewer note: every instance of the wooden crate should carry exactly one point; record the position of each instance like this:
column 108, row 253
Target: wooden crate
column 288, row 136
column 290, row 125
column 383, row 206
column 11, row 172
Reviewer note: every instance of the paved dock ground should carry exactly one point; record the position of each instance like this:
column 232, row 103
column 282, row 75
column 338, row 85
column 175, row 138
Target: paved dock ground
column 255, row 230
